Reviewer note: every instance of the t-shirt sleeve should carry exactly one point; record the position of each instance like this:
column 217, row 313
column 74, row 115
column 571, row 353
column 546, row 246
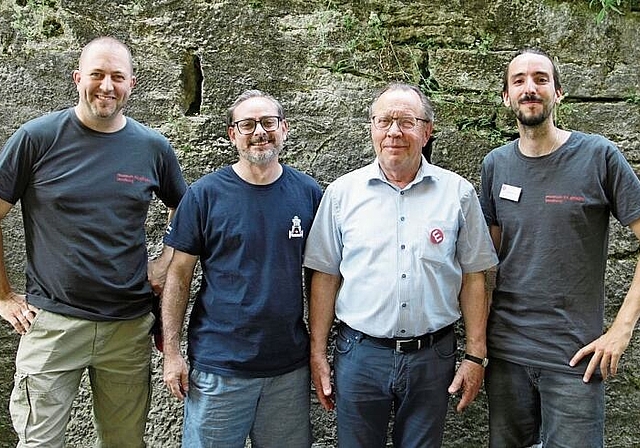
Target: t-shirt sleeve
column 172, row 183
column 622, row 187
column 16, row 159
column 185, row 230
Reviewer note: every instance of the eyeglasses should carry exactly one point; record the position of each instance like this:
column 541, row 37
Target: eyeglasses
column 248, row 125
column 407, row 123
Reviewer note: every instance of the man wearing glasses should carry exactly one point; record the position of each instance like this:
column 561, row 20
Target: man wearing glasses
column 398, row 249
column 248, row 344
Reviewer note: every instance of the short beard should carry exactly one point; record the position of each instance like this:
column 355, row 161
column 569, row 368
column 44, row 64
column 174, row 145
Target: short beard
column 102, row 114
column 262, row 157
column 534, row 120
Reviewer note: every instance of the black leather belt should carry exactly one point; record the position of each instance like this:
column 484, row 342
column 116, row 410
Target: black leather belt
column 407, row 345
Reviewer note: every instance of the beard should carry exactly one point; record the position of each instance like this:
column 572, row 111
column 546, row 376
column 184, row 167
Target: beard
column 258, row 157
column 101, row 111
column 532, row 120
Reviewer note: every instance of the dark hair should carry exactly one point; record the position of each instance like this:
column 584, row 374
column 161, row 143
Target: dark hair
column 557, row 85
column 254, row 93
column 426, row 103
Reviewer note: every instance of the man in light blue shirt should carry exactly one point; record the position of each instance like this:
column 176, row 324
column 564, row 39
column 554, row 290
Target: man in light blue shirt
column 398, row 249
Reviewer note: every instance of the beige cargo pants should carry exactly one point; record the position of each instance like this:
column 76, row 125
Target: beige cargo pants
column 50, row 362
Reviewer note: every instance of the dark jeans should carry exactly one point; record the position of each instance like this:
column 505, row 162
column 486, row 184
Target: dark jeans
column 529, row 405
column 371, row 379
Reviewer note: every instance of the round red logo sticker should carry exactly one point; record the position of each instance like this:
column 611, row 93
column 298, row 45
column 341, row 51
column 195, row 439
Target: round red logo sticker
column 437, row 236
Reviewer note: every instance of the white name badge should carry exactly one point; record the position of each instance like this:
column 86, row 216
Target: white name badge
column 510, row 192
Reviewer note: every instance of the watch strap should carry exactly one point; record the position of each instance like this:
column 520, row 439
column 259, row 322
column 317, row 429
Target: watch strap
column 482, row 361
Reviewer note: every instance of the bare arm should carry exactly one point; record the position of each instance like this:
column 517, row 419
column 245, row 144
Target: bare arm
column 608, row 348
column 496, row 236
column 324, row 288
column 157, row 268
column 490, row 274
column 174, row 307
column 13, row 307
column 473, row 304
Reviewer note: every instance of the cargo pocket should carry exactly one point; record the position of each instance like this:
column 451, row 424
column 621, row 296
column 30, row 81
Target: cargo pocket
column 19, row 405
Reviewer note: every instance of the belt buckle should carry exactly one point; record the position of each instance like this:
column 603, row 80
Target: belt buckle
column 399, row 343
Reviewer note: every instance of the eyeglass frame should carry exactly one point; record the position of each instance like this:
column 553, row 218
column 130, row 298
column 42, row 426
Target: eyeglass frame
column 373, row 122
column 255, row 124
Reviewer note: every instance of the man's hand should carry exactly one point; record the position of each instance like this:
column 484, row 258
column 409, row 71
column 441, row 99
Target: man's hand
column 607, row 351
column 157, row 274
column 176, row 375
column 15, row 310
column 321, row 377
column 468, row 379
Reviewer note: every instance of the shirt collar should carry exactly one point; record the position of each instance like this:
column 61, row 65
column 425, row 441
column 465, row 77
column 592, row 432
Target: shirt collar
column 427, row 171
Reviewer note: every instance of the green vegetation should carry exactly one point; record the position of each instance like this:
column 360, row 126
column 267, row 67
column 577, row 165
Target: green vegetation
column 606, row 6
column 363, row 44
column 562, row 113
column 633, row 98
column 37, row 19
column 484, row 43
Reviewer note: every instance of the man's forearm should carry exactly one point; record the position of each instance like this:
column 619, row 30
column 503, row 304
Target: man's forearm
column 5, row 287
column 324, row 288
column 175, row 299
column 474, row 308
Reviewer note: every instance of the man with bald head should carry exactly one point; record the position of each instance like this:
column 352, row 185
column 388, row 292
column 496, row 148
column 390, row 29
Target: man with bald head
column 85, row 177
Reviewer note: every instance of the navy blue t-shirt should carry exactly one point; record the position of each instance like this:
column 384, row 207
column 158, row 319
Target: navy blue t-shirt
column 247, row 318
column 85, row 196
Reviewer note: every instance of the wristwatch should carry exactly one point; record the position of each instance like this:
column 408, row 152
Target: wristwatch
column 482, row 361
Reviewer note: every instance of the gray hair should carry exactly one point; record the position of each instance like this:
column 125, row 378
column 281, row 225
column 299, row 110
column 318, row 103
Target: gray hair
column 254, row 93
column 426, row 103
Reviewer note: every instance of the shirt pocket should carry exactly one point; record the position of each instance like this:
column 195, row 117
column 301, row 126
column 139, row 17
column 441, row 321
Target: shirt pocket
column 438, row 242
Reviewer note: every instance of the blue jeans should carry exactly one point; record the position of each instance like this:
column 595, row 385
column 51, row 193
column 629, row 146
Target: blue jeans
column 530, row 405
column 221, row 411
column 371, row 380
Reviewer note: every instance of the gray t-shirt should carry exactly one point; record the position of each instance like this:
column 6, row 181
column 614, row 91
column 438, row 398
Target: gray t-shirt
column 549, row 298
column 84, row 197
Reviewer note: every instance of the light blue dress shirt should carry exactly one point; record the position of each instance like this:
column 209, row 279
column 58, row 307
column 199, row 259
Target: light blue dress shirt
column 401, row 252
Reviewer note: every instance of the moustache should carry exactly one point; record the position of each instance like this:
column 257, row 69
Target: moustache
column 530, row 97
column 259, row 140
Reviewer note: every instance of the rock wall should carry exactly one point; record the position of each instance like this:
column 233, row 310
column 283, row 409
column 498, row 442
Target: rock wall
column 324, row 59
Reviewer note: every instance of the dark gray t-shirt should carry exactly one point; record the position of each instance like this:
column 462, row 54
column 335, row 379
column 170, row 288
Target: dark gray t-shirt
column 549, row 298
column 84, row 197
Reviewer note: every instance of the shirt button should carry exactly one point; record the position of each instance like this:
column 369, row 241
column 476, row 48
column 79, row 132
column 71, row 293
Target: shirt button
column 403, row 331
column 404, row 275
column 404, row 305
column 402, row 218
column 402, row 193
column 402, row 246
